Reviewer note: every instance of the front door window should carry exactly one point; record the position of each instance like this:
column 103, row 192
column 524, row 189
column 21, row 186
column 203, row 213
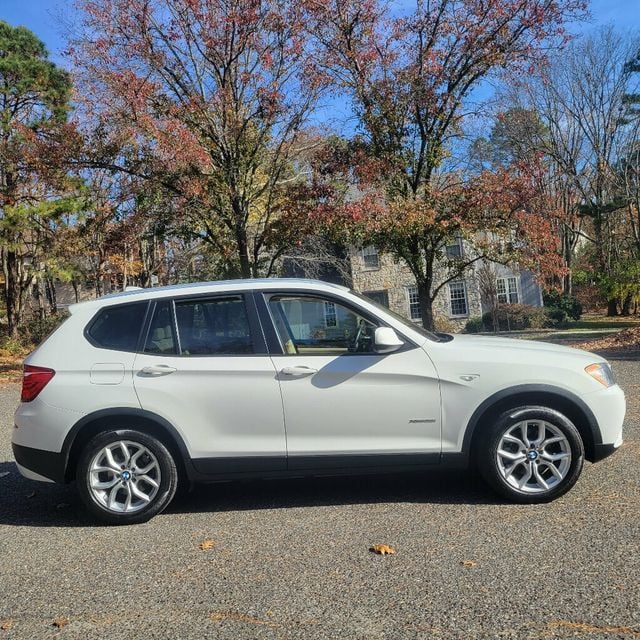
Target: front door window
column 315, row 326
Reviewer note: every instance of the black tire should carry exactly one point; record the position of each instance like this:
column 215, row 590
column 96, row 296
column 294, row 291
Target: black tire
column 531, row 480
column 144, row 449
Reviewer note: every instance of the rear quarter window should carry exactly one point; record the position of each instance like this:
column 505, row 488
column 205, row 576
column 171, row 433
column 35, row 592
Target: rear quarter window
column 117, row 327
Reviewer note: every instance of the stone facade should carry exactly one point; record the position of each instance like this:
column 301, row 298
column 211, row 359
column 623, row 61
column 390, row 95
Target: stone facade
column 390, row 282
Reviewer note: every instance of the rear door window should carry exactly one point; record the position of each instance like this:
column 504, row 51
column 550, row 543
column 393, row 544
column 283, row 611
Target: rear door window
column 118, row 327
column 218, row 326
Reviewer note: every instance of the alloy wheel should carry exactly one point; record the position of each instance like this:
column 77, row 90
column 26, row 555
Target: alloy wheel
column 533, row 456
column 124, row 476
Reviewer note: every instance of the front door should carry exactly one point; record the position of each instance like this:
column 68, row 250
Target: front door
column 205, row 369
column 346, row 405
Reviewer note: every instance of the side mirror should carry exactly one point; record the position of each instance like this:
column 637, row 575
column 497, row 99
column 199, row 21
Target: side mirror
column 386, row 340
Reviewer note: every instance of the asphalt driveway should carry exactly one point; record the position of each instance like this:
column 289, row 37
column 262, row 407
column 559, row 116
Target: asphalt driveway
column 290, row 559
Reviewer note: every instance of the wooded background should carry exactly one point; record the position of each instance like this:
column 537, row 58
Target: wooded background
column 199, row 139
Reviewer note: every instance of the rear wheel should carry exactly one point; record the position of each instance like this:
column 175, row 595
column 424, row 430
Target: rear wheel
column 126, row 477
column 531, row 454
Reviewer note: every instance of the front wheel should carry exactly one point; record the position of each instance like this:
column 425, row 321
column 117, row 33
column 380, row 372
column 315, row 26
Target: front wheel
column 126, row 477
column 531, row 454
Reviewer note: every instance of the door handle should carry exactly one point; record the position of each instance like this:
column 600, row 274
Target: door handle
column 298, row 372
column 157, row 370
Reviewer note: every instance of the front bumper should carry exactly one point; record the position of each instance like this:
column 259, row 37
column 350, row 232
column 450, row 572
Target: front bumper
column 608, row 407
column 36, row 464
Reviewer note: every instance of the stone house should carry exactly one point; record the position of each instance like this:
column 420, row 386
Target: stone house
column 391, row 283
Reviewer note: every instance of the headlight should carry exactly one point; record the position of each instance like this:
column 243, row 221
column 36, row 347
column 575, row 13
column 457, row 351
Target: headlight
column 602, row 373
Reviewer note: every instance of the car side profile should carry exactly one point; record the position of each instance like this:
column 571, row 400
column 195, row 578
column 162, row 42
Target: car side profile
column 139, row 391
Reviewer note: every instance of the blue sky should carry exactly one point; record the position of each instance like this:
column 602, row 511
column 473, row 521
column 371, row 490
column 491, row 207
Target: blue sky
column 50, row 19
column 46, row 17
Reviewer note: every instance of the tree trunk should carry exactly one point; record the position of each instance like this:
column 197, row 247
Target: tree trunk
column 612, row 307
column 426, row 306
column 243, row 254
column 14, row 290
column 567, row 284
column 51, row 295
column 39, row 291
column 626, row 305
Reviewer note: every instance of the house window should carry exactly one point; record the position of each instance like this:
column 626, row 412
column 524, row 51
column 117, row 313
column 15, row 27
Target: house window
column 370, row 257
column 330, row 318
column 458, row 298
column 381, row 297
column 414, row 303
column 507, row 290
column 454, row 250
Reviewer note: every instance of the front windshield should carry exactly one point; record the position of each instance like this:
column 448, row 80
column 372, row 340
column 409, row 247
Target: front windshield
column 405, row 321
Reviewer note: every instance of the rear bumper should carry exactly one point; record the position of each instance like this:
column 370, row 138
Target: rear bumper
column 48, row 465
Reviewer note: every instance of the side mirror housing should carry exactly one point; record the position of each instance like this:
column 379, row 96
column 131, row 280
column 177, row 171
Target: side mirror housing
column 386, row 340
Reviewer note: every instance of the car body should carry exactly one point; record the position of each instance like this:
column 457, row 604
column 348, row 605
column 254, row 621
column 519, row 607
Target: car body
column 212, row 381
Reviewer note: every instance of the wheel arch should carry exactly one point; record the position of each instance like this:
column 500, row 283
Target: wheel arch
column 548, row 396
column 129, row 418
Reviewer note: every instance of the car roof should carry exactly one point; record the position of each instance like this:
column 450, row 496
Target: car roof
column 195, row 288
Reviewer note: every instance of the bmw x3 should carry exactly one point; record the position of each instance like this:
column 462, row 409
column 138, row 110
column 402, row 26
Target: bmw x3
column 139, row 391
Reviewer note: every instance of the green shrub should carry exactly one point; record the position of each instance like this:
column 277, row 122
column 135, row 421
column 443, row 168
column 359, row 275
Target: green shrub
column 515, row 317
column 555, row 316
column 474, row 325
column 11, row 346
column 569, row 304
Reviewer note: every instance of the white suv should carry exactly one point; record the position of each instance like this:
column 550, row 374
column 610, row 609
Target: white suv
column 138, row 391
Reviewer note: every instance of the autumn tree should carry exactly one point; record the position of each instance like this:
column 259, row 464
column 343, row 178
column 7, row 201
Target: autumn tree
column 408, row 78
column 218, row 94
column 585, row 99
column 34, row 99
column 519, row 136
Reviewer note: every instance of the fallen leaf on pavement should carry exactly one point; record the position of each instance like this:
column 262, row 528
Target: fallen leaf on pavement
column 31, row 494
column 4, row 473
column 60, row 622
column 205, row 545
column 382, row 549
column 468, row 563
column 62, row 505
column 6, row 624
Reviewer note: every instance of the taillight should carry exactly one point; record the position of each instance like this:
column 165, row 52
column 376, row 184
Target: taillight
column 34, row 380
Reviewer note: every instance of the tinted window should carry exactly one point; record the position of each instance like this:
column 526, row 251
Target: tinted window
column 161, row 338
column 309, row 326
column 214, row 327
column 118, row 327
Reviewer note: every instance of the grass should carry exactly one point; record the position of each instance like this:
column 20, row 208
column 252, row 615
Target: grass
column 590, row 326
column 597, row 321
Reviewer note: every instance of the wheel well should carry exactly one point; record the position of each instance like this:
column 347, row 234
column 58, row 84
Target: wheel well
column 564, row 405
column 125, row 421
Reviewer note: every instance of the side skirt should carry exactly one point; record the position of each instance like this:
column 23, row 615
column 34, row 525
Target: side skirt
column 232, row 468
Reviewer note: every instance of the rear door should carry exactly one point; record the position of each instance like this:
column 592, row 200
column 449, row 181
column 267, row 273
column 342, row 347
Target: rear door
column 205, row 369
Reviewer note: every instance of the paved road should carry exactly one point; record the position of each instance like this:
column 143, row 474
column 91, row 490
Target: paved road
column 291, row 559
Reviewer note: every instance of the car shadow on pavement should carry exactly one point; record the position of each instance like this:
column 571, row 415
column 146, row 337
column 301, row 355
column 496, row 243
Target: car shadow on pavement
column 38, row 504
column 425, row 487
